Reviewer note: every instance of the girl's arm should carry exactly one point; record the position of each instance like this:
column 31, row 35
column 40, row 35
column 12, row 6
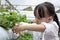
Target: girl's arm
column 32, row 27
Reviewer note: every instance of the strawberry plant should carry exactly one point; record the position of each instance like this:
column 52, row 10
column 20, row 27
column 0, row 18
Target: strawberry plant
column 9, row 19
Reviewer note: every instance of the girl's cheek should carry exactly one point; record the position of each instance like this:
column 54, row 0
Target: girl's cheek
column 38, row 22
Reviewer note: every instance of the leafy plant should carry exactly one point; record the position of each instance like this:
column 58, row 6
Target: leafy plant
column 27, row 36
column 9, row 19
column 3, row 10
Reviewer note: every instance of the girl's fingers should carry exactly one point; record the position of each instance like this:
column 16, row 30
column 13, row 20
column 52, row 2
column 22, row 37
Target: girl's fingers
column 15, row 28
column 16, row 31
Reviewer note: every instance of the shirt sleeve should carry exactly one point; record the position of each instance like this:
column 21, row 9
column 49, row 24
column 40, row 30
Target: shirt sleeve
column 51, row 28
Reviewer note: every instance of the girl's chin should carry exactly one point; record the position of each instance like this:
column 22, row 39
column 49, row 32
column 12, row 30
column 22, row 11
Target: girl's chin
column 37, row 23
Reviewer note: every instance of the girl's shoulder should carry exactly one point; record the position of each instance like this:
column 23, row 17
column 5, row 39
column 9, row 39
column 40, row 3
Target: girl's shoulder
column 51, row 25
column 55, row 25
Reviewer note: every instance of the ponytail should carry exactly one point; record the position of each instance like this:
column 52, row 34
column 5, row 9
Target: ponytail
column 56, row 20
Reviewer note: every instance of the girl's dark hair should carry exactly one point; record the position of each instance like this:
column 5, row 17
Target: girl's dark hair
column 50, row 10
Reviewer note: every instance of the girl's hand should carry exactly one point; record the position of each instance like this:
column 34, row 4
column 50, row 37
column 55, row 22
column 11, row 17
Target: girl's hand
column 18, row 28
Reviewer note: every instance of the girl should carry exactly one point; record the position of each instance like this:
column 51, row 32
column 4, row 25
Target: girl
column 6, row 34
column 46, row 22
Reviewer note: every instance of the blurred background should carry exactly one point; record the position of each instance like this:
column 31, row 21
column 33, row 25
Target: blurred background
column 25, row 7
